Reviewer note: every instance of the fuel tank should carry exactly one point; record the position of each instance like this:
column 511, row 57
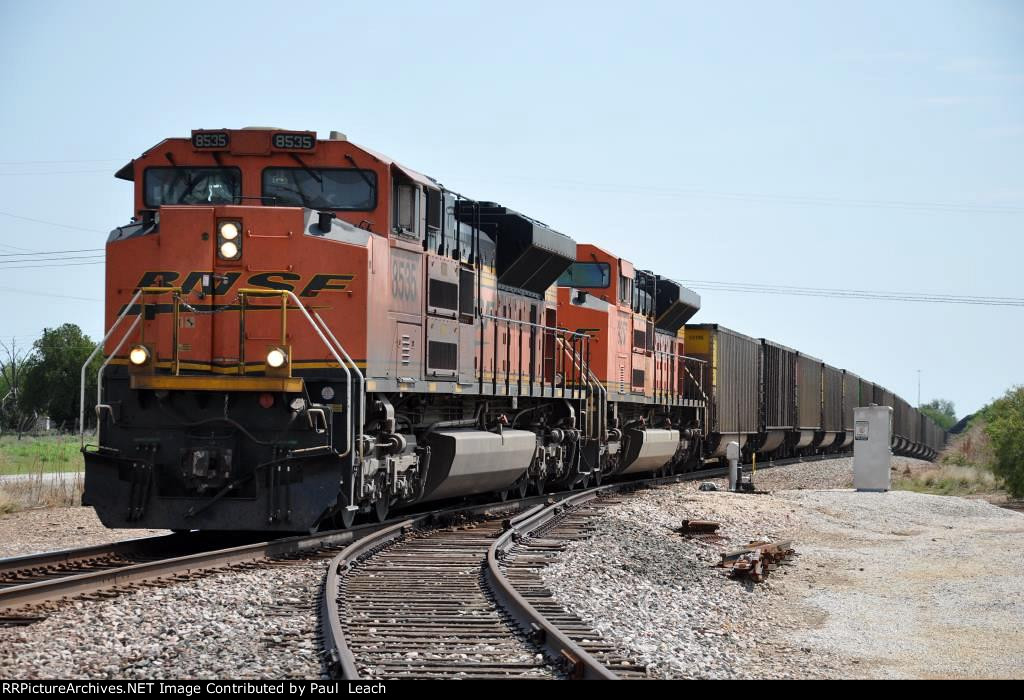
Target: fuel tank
column 648, row 450
column 464, row 462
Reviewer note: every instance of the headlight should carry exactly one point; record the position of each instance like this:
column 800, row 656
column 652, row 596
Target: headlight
column 228, row 250
column 139, row 355
column 276, row 358
column 229, row 240
column 229, row 230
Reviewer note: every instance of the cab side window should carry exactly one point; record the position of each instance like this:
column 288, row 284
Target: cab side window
column 406, row 209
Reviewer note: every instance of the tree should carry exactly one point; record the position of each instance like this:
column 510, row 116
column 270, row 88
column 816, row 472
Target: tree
column 16, row 412
column 54, row 377
column 1004, row 423
column 941, row 411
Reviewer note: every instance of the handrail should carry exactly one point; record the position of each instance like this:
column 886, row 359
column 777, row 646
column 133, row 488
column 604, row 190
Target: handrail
column 99, row 374
column 362, row 408
column 287, row 293
column 85, row 365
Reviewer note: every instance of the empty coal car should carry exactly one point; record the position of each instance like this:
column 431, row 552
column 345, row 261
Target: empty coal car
column 777, row 402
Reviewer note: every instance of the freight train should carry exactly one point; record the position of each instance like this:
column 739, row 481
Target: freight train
column 302, row 330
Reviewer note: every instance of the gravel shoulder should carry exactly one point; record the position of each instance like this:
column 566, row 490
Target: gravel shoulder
column 248, row 624
column 898, row 584
column 50, row 529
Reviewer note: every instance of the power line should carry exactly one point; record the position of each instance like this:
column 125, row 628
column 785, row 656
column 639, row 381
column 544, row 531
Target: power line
column 49, row 223
column 752, row 288
column 57, row 172
column 51, row 252
column 27, row 267
column 14, row 247
column 851, row 291
column 61, row 258
column 51, row 162
column 815, row 200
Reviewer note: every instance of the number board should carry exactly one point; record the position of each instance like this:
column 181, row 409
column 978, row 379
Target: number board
column 294, row 141
column 210, row 140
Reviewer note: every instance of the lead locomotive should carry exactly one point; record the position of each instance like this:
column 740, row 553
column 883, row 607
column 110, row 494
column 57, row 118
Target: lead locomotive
column 302, row 330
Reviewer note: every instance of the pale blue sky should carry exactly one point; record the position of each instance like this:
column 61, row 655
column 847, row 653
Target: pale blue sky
column 759, row 142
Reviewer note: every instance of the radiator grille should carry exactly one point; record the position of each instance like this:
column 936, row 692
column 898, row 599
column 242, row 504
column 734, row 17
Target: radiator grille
column 444, row 295
column 442, row 355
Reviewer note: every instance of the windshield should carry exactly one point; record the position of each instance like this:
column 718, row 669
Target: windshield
column 585, row 274
column 320, row 188
column 185, row 185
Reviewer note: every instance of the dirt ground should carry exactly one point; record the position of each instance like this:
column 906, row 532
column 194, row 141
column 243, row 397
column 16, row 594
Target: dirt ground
column 49, row 529
column 908, row 585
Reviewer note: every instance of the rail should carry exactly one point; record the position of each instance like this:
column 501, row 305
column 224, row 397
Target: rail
column 545, row 633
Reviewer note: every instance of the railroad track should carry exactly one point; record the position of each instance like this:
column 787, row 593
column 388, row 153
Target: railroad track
column 467, row 600
column 514, row 564
column 33, row 585
column 18, row 571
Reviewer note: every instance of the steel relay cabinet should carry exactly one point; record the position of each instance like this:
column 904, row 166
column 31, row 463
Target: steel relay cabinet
column 872, row 448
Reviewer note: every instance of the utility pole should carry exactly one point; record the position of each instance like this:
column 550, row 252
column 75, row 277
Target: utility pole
column 918, row 389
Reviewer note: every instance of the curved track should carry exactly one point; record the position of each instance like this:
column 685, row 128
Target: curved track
column 36, row 581
column 466, row 599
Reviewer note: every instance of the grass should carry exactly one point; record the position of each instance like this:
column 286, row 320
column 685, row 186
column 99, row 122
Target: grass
column 963, row 469
column 50, row 453
column 948, row 480
column 33, row 462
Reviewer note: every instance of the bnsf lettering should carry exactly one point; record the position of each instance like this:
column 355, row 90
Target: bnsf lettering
column 326, row 283
column 266, row 281
column 218, row 285
column 217, row 139
column 222, row 284
column 158, row 278
column 294, row 142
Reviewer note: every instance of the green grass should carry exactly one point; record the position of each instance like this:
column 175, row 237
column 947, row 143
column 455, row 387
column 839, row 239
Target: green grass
column 32, row 458
column 32, row 455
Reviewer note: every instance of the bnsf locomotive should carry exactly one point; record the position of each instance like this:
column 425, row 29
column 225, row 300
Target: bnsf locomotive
column 302, row 330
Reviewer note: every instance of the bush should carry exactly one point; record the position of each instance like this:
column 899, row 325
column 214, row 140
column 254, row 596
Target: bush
column 1004, row 420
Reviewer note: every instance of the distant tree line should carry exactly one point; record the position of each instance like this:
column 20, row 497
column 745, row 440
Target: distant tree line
column 1004, row 423
column 941, row 411
column 44, row 380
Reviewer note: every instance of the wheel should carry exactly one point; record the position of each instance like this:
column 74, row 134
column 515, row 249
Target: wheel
column 503, row 495
column 522, row 488
column 380, row 509
column 584, row 482
column 346, row 517
column 597, row 477
column 538, row 485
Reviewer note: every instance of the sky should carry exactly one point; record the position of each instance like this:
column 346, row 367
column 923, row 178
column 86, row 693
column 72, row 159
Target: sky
column 860, row 145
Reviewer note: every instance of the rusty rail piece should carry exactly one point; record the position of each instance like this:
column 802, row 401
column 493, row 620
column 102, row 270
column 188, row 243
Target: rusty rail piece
column 699, row 527
column 757, row 559
column 577, row 646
